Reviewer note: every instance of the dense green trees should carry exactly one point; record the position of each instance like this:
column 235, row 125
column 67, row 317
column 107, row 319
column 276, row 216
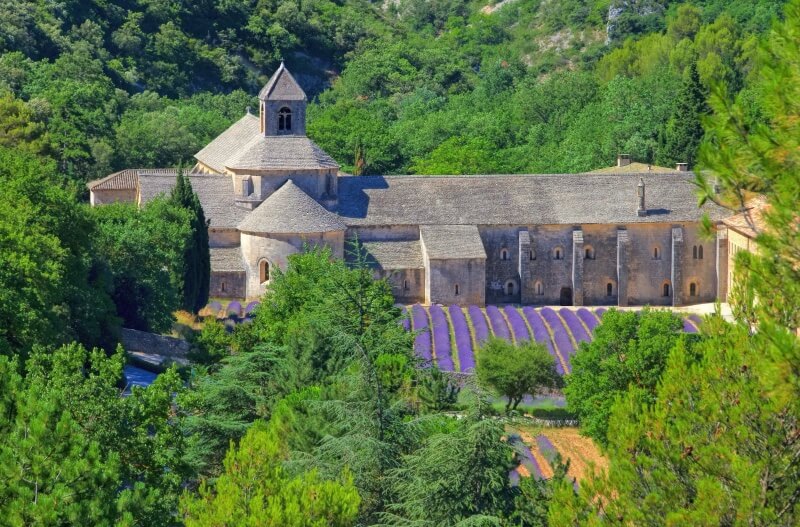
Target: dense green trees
column 196, row 264
column 516, row 371
column 629, row 350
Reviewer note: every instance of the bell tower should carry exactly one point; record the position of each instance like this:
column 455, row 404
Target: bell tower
column 282, row 105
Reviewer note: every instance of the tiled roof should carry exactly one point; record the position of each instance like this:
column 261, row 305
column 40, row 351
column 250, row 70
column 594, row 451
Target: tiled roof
column 126, row 179
column 282, row 87
column 448, row 242
column 403, row 254
column 550, row 199
column 279, row 153
column 290, row 210
column 226, row 259
column 215, row 193
column 634, row 168
column 754, row 214
column 229, row 143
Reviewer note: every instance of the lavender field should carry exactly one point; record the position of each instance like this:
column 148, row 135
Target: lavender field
column 448, row 336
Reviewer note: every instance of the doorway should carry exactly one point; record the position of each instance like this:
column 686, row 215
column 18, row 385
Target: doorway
column 566, row 296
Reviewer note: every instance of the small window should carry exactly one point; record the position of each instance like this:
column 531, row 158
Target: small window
column 504, row 254
column 284, row 119
column 538, row 288
column 405, row 285
column 609, row 289
column 531, row 255
column 558, row 254
column 263, row 271
column 656, row 253
column 589, row 253
column 700, row 252
column 694, row 252
column 457, row 290
column 666, row 290
column 511, row 287
column 692, row 289
column 222, row 286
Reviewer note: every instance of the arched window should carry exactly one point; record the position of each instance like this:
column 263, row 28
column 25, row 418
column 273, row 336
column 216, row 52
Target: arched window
column 692, row 289
column 609, row 289
column 511, row 287
column 538, row 288
column 656, row 253
column 284, row 119
column 700, row 252
column 457, row 290
column 666, row 289
column 263, row 271
column 558, row 253
column 504, row 254
column 694, row 252
column 589, row 253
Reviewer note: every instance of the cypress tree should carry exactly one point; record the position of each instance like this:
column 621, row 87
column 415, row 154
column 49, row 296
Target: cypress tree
column 196, row 265
column 684, row 130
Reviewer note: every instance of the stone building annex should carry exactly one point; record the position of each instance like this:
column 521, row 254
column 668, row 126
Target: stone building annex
column 626, row 235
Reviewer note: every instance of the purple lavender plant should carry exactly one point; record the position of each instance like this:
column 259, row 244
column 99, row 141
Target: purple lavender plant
column 215, row 307
column 540, row 334
column 588, row 318
column 249, row 308
column 234, row 309
column 441, row 338
column 562, row 340
column 498, row 322
column 547, row 448
column 574, row 325
column 529, row 461
column 688, row 327
column 517, row 324
column 405, row 321
column 600, row 312
column 466, row 355
column 422, row 341
column 478, row 324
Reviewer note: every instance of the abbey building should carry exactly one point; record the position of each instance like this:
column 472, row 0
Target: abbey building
column 626, row 235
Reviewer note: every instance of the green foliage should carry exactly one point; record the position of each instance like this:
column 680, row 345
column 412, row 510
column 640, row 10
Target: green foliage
column 212, row 343
column 516, row 371
column 255, row 489
column 144, row 251
column 629, row 350
column 73, row 451
column 684, row 131
column 196, row 265
column 437, row 391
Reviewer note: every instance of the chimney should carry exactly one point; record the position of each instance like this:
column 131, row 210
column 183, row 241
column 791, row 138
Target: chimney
column 682, row 167
column 623, row 160
column 641, row 210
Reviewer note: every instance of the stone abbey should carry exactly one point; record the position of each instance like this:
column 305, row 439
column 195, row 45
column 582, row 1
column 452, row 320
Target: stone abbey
column 624, row 235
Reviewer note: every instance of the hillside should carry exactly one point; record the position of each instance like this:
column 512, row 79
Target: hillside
column 409, row 86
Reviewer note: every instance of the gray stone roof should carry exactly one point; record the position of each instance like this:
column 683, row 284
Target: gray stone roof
column 395, row 254
column 215, row 193
column 282, row 87
column 226, row 259
column 228, row 143
column 284, row 152
column 127, row 179
column 549, row 199
column 449, row 242
column 290, row 210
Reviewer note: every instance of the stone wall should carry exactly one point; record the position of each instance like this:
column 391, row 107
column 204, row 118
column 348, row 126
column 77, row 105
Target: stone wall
column 317, row 183
column 461, row 282
column 276, row 249
column 140, row 341
column 228, row 284
column 223, row 238
column 408, row 285
column 103, row 197
column 502, row 263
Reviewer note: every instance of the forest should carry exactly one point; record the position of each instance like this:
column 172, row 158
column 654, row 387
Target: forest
column 317, row 411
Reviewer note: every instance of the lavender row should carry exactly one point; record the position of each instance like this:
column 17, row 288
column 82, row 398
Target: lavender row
column 540, row 334
column 422, row 342
column 575, row 326
column 562, row 340
column 529, row 461
column 478, row 324
column 547, row 448
column 688, row 326
column 518, row 326
column 498, row 322
column 466, row 355
column 406, row 321
column 441, row 338
column 590, row 319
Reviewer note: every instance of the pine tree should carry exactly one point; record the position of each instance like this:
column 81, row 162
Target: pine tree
column 684, row 130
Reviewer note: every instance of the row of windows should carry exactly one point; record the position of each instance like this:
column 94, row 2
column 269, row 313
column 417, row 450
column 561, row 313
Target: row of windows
column 538, row 288
column 589, row 254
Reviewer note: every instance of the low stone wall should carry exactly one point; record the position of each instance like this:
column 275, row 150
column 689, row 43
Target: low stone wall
column 150, row 343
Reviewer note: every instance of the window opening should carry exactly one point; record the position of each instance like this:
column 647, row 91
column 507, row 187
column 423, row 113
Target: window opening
column 692, row 289
column 504, row 254
column 285, row 119
column 456, row 289
column 666, row 290
column 609, row 289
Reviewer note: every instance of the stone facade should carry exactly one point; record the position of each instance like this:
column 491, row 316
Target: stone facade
column 625, row 235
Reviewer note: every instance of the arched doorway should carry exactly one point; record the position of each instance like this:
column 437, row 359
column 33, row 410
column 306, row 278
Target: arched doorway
column 566, row 296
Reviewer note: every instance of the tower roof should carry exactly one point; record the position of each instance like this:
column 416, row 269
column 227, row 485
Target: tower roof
column 282, row 87
column 283, row 152
column 289, row 210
